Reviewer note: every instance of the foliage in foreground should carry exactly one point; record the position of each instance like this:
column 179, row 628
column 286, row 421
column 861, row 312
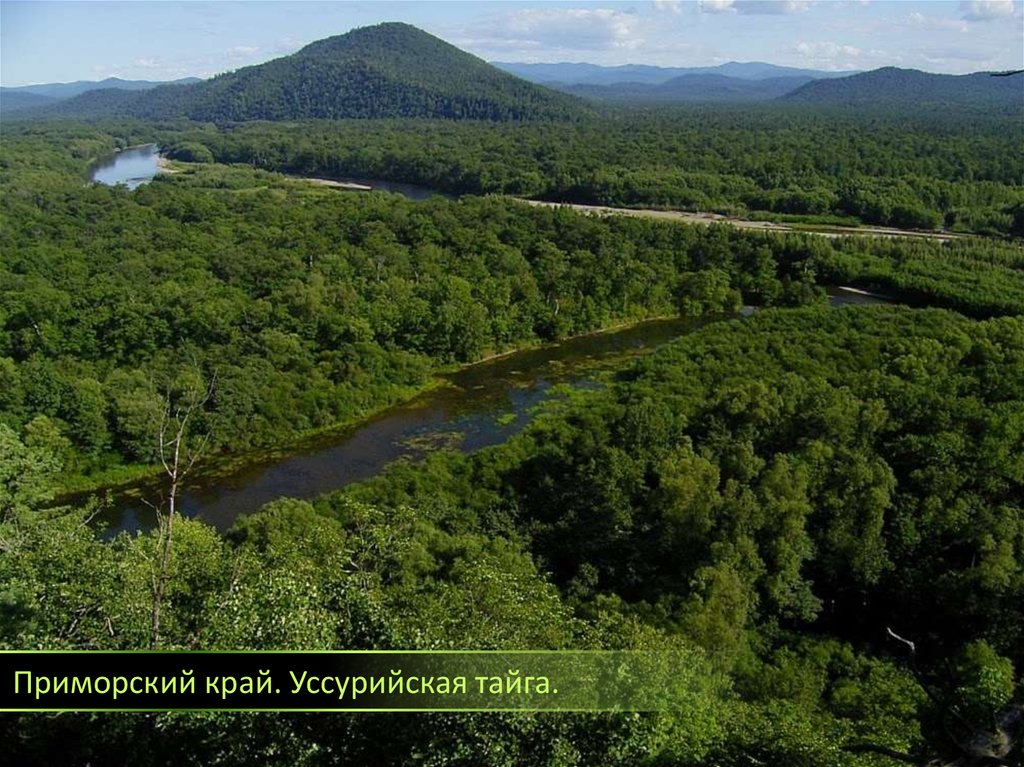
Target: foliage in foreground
column 770, row 493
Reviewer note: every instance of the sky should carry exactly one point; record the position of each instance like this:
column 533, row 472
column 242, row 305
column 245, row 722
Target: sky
column 90, row 40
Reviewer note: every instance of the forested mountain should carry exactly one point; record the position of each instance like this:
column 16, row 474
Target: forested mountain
column 78, row 87
column 12, row 100
column 388, row 70
column 892, row 86
column 594, row 74
column 705, row 88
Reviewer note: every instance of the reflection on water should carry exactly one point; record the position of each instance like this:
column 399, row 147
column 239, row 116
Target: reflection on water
column 479, row 406
column 131, row 167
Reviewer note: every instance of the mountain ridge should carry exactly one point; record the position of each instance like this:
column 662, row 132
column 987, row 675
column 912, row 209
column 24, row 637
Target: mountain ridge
column 78, row 87
column 582, row 73
column 693, row 88
column 893, row 86
column 394, row 70
column 382, row 71
column 13, row 101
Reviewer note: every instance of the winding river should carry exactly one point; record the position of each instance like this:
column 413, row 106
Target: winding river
column 476, row 407
column 136, row 165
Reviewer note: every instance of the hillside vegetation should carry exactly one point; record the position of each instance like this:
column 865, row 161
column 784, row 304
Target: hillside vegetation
column 701, row 88
column 890, row 87
column 315, row 306
column 388, row 70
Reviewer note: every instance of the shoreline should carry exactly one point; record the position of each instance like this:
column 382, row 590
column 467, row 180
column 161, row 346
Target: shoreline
column 549, row 344
column 136, row 476
column 164, row 165
column 708, row 219
column 348, row 186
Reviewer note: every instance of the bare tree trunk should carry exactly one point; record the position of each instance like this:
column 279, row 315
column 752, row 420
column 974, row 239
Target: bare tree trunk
column 178, row 454
column 978, row 745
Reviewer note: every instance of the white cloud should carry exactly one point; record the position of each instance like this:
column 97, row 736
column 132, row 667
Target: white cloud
column 921, row 21
column 834, row 56
column 986, row 10
column 755, row 7
column 774, row 7
column 672, row 6
column 563, row 28
column 827, row 50
column 716, row 6
column 243, row 50
column 147, row 63
column 286, row 45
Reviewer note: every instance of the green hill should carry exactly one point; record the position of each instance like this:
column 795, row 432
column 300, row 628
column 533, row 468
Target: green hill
column 388, row 70
column 892, row 87
column 13, row 100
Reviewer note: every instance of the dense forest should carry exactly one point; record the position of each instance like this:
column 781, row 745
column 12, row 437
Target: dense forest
column 955, row 172
column 773, row 493
column 314, row 307
column 821, row 507
column 785, row 491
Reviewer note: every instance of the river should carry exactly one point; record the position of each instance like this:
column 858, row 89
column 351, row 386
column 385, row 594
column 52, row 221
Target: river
column 130, row 167
column 136, row 165
column 475, row 407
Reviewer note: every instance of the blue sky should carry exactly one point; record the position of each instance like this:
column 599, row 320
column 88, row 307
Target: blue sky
column 62, row 41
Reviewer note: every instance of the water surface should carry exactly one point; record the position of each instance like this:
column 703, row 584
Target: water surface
column 478, row 406
column 130, row 167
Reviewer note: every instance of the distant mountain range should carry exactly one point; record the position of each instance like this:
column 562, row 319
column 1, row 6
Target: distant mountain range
column 567, row 74
column 757, row 81
column 25, row 96
column 387, row 70
column 395, row 70
column 690, row 88
column 888, row 87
